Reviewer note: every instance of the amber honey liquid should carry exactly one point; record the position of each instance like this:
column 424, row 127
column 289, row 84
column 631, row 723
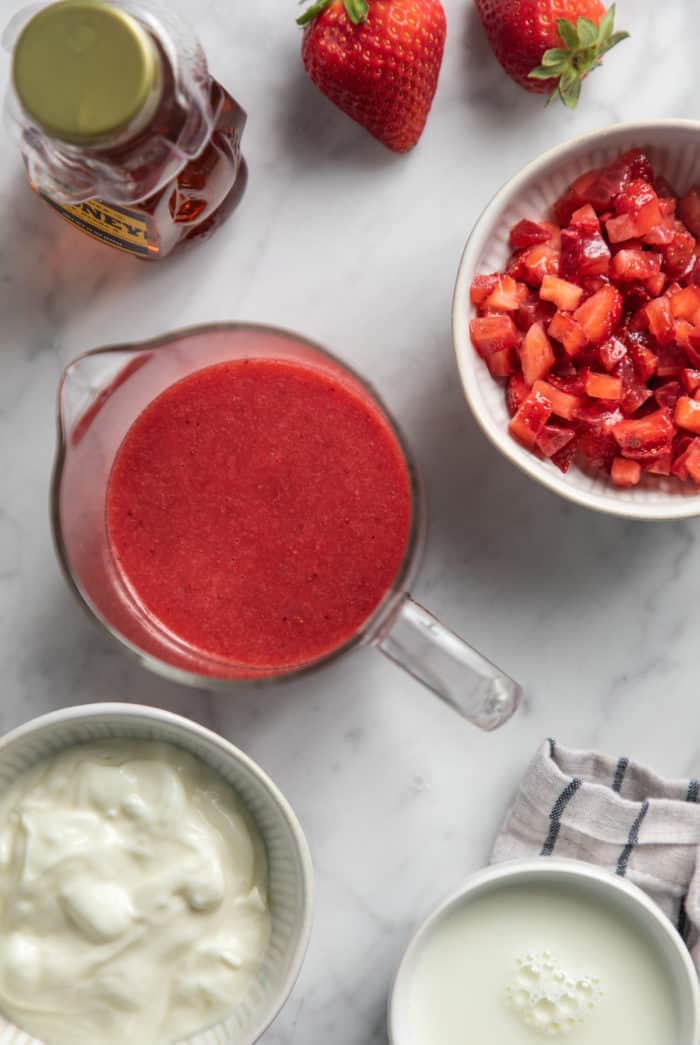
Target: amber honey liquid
column 190, row 206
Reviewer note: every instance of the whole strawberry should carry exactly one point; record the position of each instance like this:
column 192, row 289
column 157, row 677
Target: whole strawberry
column 549, row 46
column 378, row 61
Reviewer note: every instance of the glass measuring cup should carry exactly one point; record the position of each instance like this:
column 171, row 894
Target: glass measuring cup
column 102, row 393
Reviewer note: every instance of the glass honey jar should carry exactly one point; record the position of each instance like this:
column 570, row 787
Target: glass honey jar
column 122, row 129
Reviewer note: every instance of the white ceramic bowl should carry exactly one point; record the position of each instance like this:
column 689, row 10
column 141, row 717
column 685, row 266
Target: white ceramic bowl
column 290, row 875
column 597, row 882
column 674, row 148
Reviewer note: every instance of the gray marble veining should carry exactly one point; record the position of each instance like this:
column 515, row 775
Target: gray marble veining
column 595, row 616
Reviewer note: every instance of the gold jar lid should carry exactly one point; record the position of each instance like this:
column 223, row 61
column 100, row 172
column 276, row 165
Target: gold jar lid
column 85, row 70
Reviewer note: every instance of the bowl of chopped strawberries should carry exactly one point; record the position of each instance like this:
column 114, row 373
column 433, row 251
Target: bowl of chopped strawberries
column 576, row 320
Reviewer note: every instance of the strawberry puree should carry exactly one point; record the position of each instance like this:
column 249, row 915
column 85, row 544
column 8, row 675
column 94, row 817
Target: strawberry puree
column 260, row 510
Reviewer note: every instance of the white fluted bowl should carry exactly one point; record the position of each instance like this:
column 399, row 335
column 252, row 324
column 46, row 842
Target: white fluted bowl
column 290, row 875
column 674, row 149
column 598, row 884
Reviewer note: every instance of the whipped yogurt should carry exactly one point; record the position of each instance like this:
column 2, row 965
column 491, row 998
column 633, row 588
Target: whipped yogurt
column 133, row 896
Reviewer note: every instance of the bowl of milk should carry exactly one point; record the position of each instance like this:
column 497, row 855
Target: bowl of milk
column 546, row 951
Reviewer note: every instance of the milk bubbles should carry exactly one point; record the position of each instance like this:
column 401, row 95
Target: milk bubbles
column 547, row 998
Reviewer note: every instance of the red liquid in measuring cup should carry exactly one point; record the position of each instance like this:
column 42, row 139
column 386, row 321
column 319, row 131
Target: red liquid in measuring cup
column 260, row 510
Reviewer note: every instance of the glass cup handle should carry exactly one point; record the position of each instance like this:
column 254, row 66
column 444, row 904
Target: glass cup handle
column 417, row 641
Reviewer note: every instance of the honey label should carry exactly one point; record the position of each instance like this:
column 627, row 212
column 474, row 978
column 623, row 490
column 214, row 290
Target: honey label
column 118, row 226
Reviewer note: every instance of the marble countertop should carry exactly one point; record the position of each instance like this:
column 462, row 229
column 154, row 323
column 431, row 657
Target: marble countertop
column 358, row 248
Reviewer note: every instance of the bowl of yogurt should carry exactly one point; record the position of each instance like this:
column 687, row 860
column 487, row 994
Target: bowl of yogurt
column 546, row 951
column 155, row 886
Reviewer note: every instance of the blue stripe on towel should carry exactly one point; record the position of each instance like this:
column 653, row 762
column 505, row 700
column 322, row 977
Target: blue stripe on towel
column 556, row 813
column 620, row 771
column 682, row 923
column 693, row 790
column 632, row 840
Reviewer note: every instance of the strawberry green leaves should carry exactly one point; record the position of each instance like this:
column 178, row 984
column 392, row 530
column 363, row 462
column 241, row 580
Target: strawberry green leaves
column 585, row 43
column 356, row 10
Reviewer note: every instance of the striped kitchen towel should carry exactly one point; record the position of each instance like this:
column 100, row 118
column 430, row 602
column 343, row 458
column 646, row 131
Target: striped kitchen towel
column 618, row 815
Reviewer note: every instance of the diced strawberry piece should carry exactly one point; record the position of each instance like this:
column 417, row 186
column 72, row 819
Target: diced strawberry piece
column 639, row 204
column 691, row 346
column 624, row 472
column 611, row 180
column 502, row 364
column 583, row 254
column 603, row 386
column 638, row 200
column 574, row 198
column 507, row 295
column 635, row 296
column 635, row 393
column 482, row 286
column 566, row 296
column 568, row 332
column 660, row 465
column 598, row 446
column 515, row 266
column 671, row 361
column 645, row 361
column 679, row 254
column 555, row 234
column 533, row 310
column 680, row 448
column 586, row 219
column 493, row 334
column 661, row 234
column 620, row 228
column 689, row 211
column 516, row 393
column 573, row 383
column 531, row 419
column 685, row 304
column 563, row 458
column 564, row 404
column 611, row 353
column 629, row 265
column 691, row 276
column 686, row 463
column 660, row 319
column 684, row 331
column 592, row 284
column 687, row 414
column 637, row 165
column 655, row 283
column 527, row 233
column 668, row 394
column 634, row 398
column 692, row 462
column 536, row 354
column 645, row 437
column 552, row 439
column 600, row 314
column 598, row 414
column 594, row 255
column 538, row 262
column 690, row 379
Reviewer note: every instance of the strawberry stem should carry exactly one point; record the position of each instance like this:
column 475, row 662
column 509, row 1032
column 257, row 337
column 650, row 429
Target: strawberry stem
column 584, row 46
column 356, row 10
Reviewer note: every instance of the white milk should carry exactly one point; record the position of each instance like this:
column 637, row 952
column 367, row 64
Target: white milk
column 527, row 963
